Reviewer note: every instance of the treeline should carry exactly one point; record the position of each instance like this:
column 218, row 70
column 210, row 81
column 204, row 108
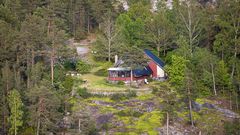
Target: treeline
column 199, row 41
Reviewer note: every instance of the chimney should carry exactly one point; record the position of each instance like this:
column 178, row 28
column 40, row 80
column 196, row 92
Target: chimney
column 116, row 59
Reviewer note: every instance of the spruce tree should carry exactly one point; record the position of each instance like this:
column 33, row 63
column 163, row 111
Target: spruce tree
column 16, row 113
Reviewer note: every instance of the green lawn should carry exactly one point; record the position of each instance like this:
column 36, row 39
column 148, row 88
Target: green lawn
column 98, row 83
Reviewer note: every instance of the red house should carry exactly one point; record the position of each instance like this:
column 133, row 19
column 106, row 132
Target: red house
column 154, row 70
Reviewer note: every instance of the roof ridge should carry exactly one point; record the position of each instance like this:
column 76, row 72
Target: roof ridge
column 153, row 57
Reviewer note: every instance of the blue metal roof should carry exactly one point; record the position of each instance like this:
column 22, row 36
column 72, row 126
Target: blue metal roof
column 154, row 58
column 142, row 72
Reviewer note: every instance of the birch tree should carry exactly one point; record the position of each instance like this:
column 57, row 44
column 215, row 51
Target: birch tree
column 109, row 31
column 189, row 16
column 160, row 31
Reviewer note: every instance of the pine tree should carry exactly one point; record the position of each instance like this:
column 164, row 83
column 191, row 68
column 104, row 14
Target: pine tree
column 227, row 39
column 44, row 105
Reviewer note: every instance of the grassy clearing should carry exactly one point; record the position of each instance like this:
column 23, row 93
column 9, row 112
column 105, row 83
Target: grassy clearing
column 96, row 80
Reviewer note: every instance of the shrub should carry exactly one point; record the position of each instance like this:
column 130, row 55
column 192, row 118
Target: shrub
column 154, row 90
column 120, row 83
column 28, row 131
column 83, row 67
column 232, row 128
column 70, row 65
column 121, row 96
column 128, row 112
column 118, row 97
column 131, row 93
column 103, row 71
column 82, row 92
column 68, row 83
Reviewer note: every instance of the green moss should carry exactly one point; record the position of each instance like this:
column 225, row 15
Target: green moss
column 204, row 100
column 183, row 115
column 149, row 122
column 108, row 109
column 196, row 116
column 105, row 99
column 128, row 133
column 145, row 97
column 129, row 112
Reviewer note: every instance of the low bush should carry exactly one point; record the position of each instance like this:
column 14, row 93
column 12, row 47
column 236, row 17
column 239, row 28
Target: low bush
column 131, row 93
column 232, row 128
column 132, row 113
column 154, row 90
column 70, row 65
column 101, row 72
column 118, row 97
column 82, row 92
column 83, row 67
column 120, row 83
column 104, row 69
column 122, row 96
column 68, row 83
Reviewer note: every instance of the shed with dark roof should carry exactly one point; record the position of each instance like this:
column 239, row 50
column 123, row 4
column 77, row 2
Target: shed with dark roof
column 156, row 65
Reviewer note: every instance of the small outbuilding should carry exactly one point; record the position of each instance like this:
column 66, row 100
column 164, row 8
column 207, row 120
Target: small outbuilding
column 156, row 65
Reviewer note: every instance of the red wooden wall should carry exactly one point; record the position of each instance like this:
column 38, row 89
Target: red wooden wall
column 153, row 67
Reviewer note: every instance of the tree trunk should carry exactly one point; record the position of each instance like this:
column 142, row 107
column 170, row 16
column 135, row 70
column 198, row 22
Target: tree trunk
column 167, row 123
column 213, row 79
column 233, row 66
column 18, row 72
column 38, row 126
column 52, row 68
column 158, row 43
column 237, row 97
column 230, row 100
column 158, row 49
column 109, row 50
column 79, row 125
column 88, row 24
column 190, row 29
column 49, row 27
column 15, row 120
column 164, row 49
column 32, row 60
column 222, row 55
column 190, row 111
column 28, row 70
column 190, row 105
column 131, row 77
column 4, row 115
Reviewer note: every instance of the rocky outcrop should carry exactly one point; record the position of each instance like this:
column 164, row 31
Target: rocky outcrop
column 226, row 112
